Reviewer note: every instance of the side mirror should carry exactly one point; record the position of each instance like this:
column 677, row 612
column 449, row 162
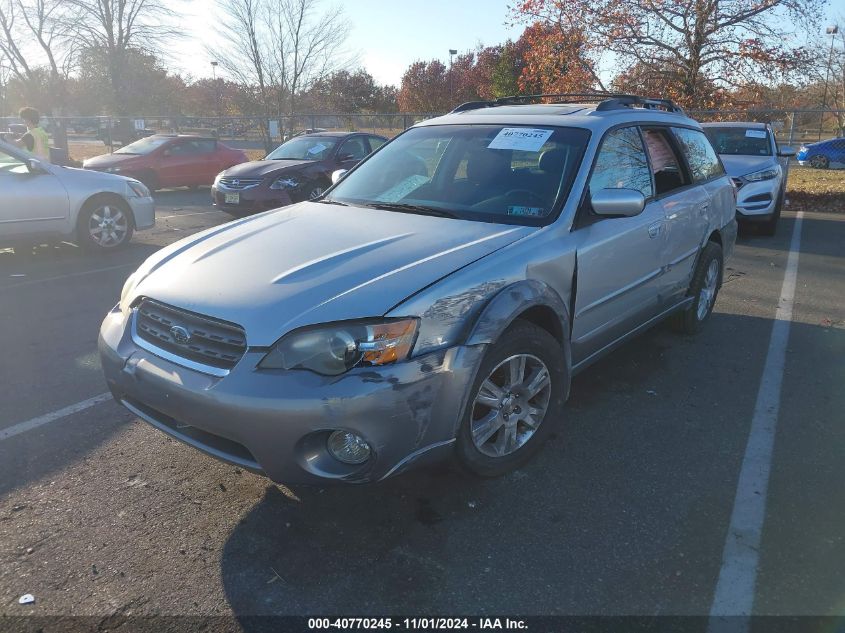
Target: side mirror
column 34, row 166
column 624, row 202
column 338, row 175
column 786, row 152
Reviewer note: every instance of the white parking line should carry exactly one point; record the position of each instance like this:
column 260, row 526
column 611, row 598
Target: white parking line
column 81, row 273
column 182, row 215
column 734, row 593
column 41, row 420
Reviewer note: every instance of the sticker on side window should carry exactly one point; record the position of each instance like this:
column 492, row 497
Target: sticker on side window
column 755, row 133
column 531, row 212
column 521, row 138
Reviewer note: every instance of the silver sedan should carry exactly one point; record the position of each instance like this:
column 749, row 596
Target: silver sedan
column 41, row 201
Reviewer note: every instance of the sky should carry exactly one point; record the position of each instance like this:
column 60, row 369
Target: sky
column 387, row 36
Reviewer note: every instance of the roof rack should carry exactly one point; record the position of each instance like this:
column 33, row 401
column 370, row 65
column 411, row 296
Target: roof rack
column 606, row 101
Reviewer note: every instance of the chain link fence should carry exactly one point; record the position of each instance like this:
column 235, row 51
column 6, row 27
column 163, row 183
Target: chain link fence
column 95, row 134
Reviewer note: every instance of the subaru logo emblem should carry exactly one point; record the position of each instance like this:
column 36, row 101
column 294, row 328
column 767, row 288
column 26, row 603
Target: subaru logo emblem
column 180, row 335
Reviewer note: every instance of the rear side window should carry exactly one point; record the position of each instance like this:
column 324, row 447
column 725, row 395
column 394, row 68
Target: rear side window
column 622, row 163
column 665, row 163
column 375, row 142
column 702, row 159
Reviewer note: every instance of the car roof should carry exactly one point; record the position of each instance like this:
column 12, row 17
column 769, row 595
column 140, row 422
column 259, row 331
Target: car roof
column 193, row 136
column 329, row 134
column 602, row 112
column 754, row 125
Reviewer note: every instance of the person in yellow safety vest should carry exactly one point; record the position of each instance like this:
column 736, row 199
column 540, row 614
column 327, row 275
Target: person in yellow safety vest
column 35, row 140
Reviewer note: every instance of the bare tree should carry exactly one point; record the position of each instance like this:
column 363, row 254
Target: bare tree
column 116, row 27
column 280, row 49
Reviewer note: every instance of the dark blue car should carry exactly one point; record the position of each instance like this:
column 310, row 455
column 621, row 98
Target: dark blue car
column 824, row 154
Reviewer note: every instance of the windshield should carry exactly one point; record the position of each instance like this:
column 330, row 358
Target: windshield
column 304, row 148
column 491, row 173
column 739, row 141
column 143, row 146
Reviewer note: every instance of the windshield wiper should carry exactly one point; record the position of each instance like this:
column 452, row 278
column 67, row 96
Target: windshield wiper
column 412, row 208
column 327, row 201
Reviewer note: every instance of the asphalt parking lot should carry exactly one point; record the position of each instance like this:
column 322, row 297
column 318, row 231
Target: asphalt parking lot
column 625, row 511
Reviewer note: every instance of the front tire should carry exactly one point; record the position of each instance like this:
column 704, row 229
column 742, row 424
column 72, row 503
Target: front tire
column 515, row 401
column 706, row 281
column 105, row 225
column 820, row 162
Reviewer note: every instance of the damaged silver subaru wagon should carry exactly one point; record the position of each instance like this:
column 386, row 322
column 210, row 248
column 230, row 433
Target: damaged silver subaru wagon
column 436, row 300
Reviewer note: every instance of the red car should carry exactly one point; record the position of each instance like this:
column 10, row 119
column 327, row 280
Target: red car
column 169, row 160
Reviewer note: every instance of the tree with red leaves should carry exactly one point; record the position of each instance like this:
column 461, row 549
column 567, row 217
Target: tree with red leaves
column 696, row 46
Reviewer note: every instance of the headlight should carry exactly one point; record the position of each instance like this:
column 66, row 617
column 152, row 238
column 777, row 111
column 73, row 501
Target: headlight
column 764, row 174
column 138, row 188
column 128, row 286
column 218, row 177
column 332, row 350
column 285, row 183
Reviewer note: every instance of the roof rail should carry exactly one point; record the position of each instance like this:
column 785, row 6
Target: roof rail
column 473, row 105
column 563, row 97
column 606, row 101
column 631, row 101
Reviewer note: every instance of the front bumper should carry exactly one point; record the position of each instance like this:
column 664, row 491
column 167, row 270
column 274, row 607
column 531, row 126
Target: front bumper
column 144, row 212
column 758, row 200
column 253, row 200
column 277, row 422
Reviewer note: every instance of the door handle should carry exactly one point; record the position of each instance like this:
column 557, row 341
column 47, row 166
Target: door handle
column 654, row 229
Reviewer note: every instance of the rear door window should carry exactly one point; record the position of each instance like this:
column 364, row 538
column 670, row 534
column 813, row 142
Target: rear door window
column 622, row 163
column 666, row 165
column 701, row 157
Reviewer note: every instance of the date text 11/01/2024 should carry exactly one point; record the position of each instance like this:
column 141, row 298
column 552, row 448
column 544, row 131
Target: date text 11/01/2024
column 417, row 623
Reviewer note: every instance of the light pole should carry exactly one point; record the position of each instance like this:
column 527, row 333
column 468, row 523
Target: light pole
column 832, row 31
column 452, row 53
column 216, row 87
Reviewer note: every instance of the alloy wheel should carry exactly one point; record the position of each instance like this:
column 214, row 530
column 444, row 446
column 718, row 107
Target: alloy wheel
column 708, row 290
column 510, row 405
column 108, row 226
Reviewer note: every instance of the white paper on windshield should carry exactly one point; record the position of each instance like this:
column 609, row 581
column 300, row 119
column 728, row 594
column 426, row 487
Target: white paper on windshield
column 319, row 147
column 755, row 133
column 406, row 186
column 520, row 138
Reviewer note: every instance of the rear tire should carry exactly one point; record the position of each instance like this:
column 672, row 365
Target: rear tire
column 150, row 181
column 514, row 403
column 706, row 281
column 105, row 224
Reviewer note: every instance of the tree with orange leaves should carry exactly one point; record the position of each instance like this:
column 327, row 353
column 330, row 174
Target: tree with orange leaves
column 703, row 45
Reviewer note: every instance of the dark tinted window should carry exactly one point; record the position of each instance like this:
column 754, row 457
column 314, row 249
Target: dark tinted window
column 621, row 163
column 702, row 159
column 665, row 163
column 740, row 141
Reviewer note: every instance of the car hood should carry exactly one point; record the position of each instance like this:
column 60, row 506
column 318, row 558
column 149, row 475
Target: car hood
column 260, row 168
column 737, row 166
column 74, row 176
column 109, row 160
column 313, row 263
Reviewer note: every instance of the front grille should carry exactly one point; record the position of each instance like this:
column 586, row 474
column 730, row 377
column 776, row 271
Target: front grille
column 209, row 341
column 738, row 182
column 239, row 184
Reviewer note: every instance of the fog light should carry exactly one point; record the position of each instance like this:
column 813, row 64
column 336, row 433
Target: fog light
column 348, row 447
